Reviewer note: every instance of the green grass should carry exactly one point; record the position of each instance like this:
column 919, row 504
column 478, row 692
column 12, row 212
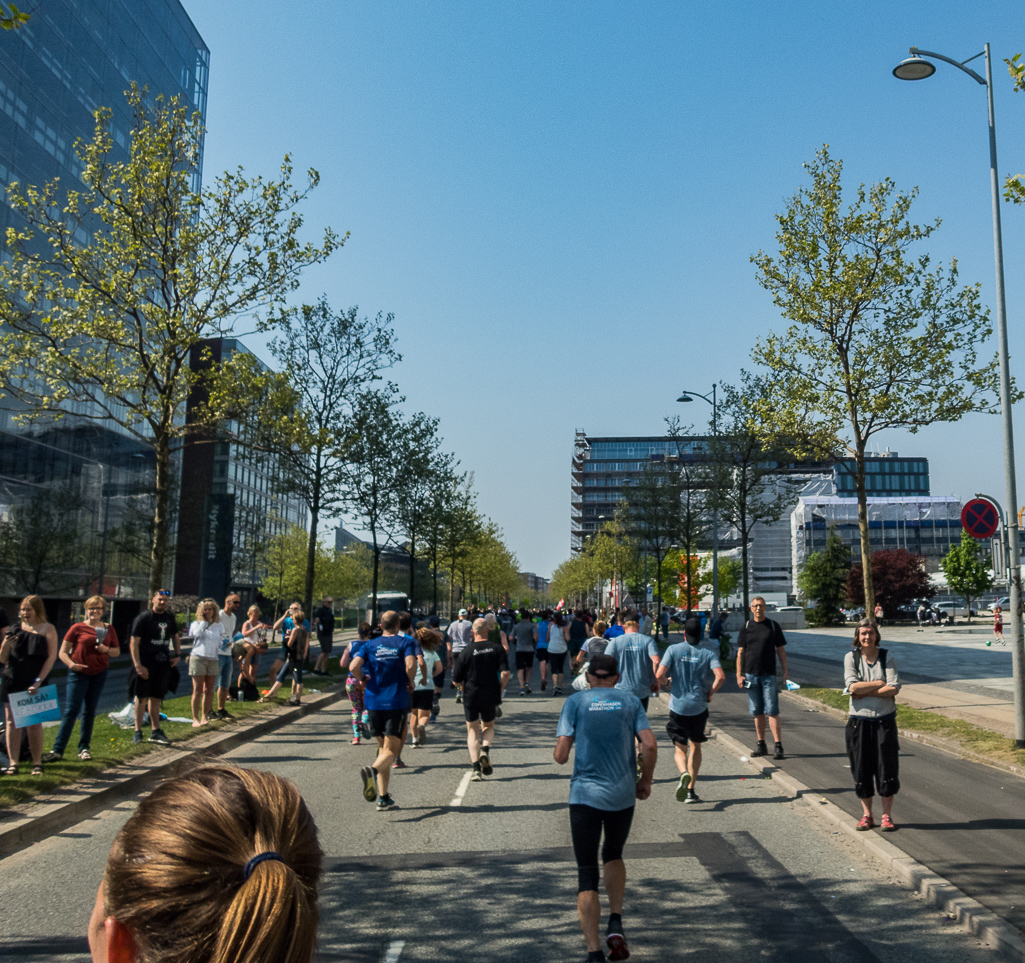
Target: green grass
column 112, row 745
column 975, row 738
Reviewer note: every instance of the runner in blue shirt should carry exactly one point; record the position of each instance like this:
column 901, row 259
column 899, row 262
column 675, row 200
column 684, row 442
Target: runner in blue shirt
column 692, row 668
column 602, row 723
column 387, row 666
column 542, row 648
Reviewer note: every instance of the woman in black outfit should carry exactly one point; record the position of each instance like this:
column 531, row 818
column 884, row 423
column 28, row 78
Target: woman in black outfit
column 27, row 654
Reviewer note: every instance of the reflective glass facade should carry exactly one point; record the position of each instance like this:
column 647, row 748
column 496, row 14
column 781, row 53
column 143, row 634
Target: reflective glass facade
column 72, row 57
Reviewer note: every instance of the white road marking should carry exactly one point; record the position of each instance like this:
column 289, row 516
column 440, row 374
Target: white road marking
column 394, row 951
column 464, row 784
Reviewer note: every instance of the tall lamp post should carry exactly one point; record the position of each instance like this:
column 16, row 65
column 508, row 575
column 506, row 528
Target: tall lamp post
column 686, row 396
column 916, row 67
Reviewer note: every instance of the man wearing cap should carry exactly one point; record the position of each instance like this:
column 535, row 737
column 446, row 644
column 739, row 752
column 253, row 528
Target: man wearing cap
column 602, row 723
column 324, row 621
column 459, row 635
column 696, row 676
column 482, row 668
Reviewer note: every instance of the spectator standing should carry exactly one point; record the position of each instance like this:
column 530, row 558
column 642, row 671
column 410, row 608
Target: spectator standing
column 225, row 662
column 27, row 654
column 324, row 622
column 207, row 635
column 154, row 633
column 873, row 749
column 296, row 649
column 759, row 644
column 86, row 651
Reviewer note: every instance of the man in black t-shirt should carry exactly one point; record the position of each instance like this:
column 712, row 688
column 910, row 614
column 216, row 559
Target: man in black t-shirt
column 156, row 650
column 482, row 668
column 759, row 643
column 324, row 620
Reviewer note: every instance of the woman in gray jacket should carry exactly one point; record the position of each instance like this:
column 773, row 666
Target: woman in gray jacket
column 871, row 734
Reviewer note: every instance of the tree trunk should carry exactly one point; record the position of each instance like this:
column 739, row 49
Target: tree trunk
column 412, row 572
column 377, row 562
column 434, row 562
column 161, row 494
column 311, row 548
column 866, row 547
column 743, row 558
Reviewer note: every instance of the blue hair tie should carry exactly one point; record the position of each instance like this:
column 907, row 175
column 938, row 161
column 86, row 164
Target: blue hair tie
column 247, row 870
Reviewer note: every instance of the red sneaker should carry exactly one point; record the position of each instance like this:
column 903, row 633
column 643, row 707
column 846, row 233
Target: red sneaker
column 866, row 823
column 886, row 824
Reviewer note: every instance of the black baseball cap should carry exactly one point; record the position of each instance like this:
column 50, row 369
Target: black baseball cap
column 692, row 628
column 603, row 666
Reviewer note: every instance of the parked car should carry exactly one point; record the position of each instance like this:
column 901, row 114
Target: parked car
column 954, row 608
column 1004, row 603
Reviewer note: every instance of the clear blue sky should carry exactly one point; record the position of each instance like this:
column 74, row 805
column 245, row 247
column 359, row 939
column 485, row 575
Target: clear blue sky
column 559, row 201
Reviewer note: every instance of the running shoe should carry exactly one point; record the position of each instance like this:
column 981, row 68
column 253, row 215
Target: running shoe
column 223, row 714
column 356, row 741
column 137, row 737
column 157, row 736
column 435, row 707
column 526, row 689
column 866, row 822
column 476, row 775
column 761, row 749
column 52, row 756
column 692, row 797
column 681, row 790
column 498, row 712
column 544, row 684
column 886, row 824
column 399, row 764
column 778, row 751
column 364, row 730
column 616, row 942
column 366, row 776
column 385, row 802
column 485, row 764
column 459, row 698
column 523, row 691
column 421, row 732
column 85, row 755
column 557, row 691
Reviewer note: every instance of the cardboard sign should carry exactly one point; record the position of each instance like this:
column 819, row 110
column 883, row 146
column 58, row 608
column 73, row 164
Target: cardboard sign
column 30, row 709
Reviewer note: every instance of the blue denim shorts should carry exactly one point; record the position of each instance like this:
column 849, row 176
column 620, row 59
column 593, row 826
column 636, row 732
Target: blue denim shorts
column 224, row 671
column 763, row 696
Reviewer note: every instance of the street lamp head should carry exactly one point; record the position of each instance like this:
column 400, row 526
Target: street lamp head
column 914, row 68
column 685, row 398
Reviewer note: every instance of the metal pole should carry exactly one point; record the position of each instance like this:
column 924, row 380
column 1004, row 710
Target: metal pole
column 1014, row 562
column 105, row 495
column 715, row 525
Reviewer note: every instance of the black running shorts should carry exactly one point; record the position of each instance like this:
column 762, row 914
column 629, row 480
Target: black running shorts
column 387, row 722
column 684, row 729
column 524, row 660
column 474, row 709
column 422, row 699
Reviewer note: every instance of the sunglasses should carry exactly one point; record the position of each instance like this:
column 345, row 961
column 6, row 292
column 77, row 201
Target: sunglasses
column 165, row 593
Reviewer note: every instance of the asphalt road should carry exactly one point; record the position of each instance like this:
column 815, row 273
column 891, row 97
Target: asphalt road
column 484, row 871
column 961, row 819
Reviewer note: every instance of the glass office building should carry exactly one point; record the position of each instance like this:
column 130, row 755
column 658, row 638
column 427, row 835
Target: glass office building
column 72, row 57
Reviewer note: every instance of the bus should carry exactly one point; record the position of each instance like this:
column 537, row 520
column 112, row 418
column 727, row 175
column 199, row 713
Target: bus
column 386, row 601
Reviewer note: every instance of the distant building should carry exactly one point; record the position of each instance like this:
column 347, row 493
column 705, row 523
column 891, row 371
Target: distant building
column 231, row 505
column 72, row 57
column 534, row 583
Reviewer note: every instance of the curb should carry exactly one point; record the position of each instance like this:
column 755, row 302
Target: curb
column 927, row 739
column 1008, row 940
column 109, row 787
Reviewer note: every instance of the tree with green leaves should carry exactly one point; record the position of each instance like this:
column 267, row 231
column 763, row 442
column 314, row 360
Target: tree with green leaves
column 730, row 572
column 823, row 580
column 745, row 486
column 110, row 289
column 967, row 568
column 460, row 524
column 878, row 339
column 304, row 414
column 1014, row 185
column 41, row 542
column 11, row 17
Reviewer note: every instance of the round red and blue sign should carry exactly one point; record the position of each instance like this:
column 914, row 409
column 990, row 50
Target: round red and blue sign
column 980, row 518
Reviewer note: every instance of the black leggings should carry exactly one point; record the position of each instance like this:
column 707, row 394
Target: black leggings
column 585, row 824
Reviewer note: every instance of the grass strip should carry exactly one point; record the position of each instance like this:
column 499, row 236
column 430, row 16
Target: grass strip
column 969, row 736
column 112, row 746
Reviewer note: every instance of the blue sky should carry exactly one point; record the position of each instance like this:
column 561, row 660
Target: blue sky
column 559, row 201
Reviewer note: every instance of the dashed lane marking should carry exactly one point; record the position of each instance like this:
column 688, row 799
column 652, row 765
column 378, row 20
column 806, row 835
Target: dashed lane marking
column 464, row 784
column 394, row 952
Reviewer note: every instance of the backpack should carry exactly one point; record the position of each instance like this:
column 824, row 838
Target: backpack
column 857, row 663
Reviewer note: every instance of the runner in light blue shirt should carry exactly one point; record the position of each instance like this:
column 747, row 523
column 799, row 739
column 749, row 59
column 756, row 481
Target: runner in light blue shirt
column 601, row 724
column 638, row 659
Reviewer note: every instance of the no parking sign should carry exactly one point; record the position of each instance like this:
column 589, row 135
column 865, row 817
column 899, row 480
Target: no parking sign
column 980, row 518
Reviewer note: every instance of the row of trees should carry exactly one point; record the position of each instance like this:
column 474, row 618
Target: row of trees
column 111, row 293
column 829, row 578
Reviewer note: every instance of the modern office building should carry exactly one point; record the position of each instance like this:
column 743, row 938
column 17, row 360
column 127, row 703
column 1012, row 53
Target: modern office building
column 72, row 57
column 231, row 504
column 901, row 507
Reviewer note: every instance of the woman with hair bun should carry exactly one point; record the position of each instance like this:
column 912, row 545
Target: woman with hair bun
column 231, row 878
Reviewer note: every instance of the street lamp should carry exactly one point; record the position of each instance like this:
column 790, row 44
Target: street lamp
column 917, row 68
column 686, row 396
